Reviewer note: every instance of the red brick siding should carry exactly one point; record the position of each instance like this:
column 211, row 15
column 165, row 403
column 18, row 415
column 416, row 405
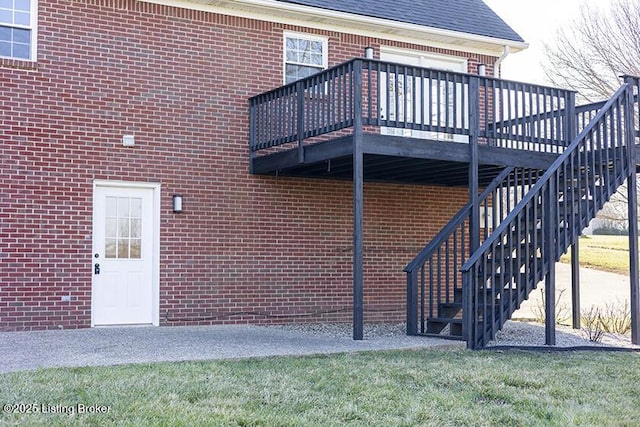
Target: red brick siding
column 247, row 248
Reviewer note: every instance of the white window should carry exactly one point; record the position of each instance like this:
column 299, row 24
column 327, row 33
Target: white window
column 17, row 29
column 304, row 55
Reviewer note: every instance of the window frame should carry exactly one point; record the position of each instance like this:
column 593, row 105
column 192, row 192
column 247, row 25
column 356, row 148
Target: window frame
column 309, row 37
column 33, row 27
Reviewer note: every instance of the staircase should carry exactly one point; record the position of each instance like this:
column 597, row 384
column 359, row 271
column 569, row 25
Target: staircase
column 530, row 219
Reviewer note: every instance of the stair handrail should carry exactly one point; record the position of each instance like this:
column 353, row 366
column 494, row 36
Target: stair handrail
column 544, row 179
column 446, row 231
column 484, row 316
column 435, row 246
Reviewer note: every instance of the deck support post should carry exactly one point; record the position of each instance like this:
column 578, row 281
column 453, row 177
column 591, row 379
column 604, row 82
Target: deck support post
column 632, row 206
column 469, row 318
column 474, row 127
column 633, row 255
column 550, row 221
column 358, row 205
column 575, row 283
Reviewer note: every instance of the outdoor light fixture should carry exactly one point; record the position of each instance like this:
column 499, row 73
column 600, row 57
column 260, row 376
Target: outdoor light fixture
column 368, row 52
column 177, row 203
column 482, row 70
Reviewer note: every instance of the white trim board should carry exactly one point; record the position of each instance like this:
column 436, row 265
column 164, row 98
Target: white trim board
column 330, row 20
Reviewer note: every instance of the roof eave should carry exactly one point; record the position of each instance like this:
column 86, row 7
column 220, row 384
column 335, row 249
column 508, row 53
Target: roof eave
column 325, row 19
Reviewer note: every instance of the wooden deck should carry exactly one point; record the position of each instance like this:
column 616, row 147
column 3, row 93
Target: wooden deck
column 399, row 159
column 368, row 120
column 414, row 125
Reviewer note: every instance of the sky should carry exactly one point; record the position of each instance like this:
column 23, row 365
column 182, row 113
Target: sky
column 536, row 22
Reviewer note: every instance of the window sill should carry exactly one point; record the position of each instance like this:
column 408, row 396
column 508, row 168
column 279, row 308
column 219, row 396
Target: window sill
column 18, row 63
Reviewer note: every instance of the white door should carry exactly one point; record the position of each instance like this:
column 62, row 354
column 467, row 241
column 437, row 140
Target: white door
column 124, row 222
column 402, row 88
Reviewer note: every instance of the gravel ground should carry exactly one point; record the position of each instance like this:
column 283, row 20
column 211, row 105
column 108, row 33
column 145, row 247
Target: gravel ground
column 523, row 333
column 345, row 330
column 112, row 346
column 514, row 333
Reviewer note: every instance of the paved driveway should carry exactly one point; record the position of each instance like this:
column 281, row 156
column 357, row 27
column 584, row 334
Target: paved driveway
column 112, row 346
column 597, row 288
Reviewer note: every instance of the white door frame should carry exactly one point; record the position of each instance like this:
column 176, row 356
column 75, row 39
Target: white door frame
column 427, row 60
column 155, row 286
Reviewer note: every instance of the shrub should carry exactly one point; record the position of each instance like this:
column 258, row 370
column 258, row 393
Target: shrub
column 562, row 311
column 611, row 231
column 592, row 324
column 614, row 318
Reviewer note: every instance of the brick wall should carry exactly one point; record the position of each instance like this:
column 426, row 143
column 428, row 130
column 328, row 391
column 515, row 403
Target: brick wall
column 247, row 248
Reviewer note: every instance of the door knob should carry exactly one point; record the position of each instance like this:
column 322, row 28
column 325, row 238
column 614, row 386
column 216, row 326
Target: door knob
column 96, row 268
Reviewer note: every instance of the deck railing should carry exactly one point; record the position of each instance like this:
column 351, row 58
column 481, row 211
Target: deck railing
column 412, row 101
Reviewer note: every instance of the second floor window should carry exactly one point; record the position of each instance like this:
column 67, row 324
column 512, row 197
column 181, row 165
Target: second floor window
column 304, row 55
column 17, row 24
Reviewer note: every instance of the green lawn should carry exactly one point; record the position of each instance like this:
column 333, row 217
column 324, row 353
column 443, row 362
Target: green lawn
column 606, row 253
column 399, row 388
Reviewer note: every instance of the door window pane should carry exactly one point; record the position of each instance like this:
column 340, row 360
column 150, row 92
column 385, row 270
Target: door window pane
column 123, row 207
column 123, row 248
column 110, row 248
column 110, row 228
column 136, row 227
column 136, row 208
column 135, row 248
column 110, row 207
column 123, row 227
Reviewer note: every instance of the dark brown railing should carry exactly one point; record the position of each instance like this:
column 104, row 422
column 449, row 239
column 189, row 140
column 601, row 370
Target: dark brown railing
column 416, row 101
column 525, row 246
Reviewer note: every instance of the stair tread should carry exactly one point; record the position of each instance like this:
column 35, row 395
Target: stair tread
column 453, row 304
column 445, row 319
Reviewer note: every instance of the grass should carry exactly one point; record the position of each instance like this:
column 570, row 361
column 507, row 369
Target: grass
column 605, row 253
column 397, row 388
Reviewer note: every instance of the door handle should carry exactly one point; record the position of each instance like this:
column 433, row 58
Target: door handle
column 96, row 268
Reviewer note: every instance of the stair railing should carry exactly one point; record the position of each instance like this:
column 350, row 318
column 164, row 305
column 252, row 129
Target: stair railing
column 433, row 276
column 524, row 247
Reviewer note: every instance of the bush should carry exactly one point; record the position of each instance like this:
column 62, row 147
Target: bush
column 613, row 319
column 611, row 231
column 592, row 324
column 562, row 311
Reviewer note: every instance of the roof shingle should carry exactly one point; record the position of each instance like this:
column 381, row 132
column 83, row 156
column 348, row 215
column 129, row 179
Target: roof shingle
column 466, row 16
